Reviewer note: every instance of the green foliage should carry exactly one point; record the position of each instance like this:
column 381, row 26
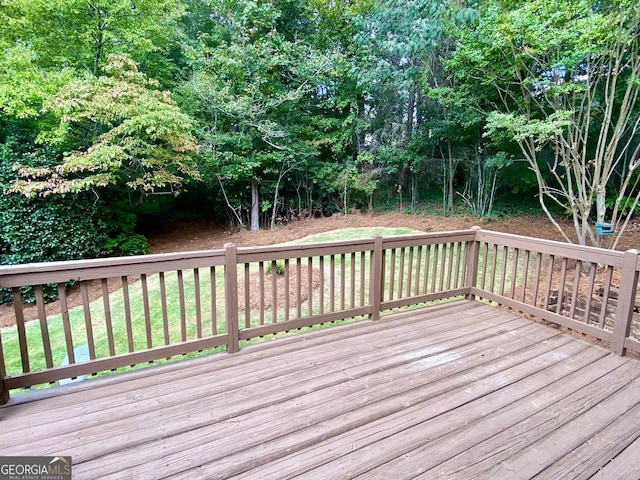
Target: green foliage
column 279, row 268
column 63, row 228
column 79, row 35
column 139, row 136
column 292, row 105
column 57, row 228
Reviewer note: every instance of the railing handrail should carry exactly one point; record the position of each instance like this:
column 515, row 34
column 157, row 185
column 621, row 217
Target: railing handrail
column 569, row 250
column 465, row 243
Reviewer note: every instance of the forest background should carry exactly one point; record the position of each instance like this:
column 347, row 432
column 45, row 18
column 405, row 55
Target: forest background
column 119, row 114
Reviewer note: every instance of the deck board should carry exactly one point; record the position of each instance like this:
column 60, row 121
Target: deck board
column 463, row 390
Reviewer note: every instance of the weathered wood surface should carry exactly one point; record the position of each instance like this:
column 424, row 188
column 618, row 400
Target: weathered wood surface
column 461, row 390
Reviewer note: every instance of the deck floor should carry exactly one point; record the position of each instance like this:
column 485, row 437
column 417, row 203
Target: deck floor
column 463, row 390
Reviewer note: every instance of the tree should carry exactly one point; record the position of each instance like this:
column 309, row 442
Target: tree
column 253, row 88
column 51, row 54
column 565, row 79
column 80, row 34
column 119, row 128
column 396, row 41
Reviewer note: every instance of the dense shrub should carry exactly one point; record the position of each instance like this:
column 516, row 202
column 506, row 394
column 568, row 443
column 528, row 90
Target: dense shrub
column 63, row 228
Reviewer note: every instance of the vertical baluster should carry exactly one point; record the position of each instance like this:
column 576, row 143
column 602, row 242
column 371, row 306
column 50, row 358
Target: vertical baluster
column 107, row 316
column 547, row 296
column 310, row 284
column 416, row 287
column 425, row 280
column 443, row 262
column 332, row 283
column 575, row 290
column 459, row 265
column 44, row 328
column 434, row 273
column 299, row 287
column 66, row 325
column 353, row 279
column 127, row 312
column 450, row 266
column 86, row 308
column 287, row 290
column 605, row 296
column 536, row 284
column 214, row 301
column 165, row 312
column 247, row 296
column 410, row 271
column 274, row 291
column 485, row 263
column 383, row 274
column 362, row 277
column 392, row 275
column 494, row 266
column 321, row 287
column 261, row 283
column 563, row 277
column 197, row 300
column 342, row 280
column 147, row 313
column 592, row 279
column 514, row 272
column 22, row 335
column 503, row 271
column 183, row 309
column 525, row 277
column 401, row 272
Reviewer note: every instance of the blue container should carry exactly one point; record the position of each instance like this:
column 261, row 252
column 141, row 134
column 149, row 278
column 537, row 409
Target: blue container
column 604, row 228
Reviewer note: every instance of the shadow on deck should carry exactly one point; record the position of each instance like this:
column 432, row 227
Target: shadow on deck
column 462, row 390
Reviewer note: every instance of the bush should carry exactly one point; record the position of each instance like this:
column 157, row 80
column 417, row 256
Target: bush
column 279, row 267
column 62, row 228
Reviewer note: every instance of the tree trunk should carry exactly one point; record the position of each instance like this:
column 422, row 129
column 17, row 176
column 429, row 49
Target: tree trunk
column 411, row 107
column 255, row 206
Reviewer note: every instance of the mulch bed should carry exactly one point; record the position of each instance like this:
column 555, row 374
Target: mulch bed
column 255, row 284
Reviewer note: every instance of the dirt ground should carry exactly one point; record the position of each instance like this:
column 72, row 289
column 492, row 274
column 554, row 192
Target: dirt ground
column 189, row 236
column 175, row 237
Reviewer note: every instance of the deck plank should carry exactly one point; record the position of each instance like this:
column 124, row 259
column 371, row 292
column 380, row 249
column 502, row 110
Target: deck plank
column 624, row 466
column 585, row 461
column 463, row 390
column 274, row 426
column 360, row 449
column 552, row 448
column 463, row 452
column 231, row 384
column 194, row 414
column 176, row 372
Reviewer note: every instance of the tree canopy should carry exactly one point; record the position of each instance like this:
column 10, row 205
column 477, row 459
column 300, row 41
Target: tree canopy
column 260, row 111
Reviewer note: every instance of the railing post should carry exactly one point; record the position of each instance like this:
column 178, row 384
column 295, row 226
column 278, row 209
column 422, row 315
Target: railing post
column 472, row 264
column 4, row 392
column 626, row 300
column 231, row 296
column 376, row 280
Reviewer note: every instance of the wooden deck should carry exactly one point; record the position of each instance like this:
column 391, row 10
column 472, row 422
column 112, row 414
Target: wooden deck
column 462, row 390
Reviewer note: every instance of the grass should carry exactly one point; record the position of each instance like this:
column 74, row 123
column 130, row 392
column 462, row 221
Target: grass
column 175, row 330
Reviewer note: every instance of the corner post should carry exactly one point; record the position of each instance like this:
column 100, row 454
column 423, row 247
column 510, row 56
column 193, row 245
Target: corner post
column 472, row 264
column 231, row 296
column 626, row 300
column 376, row 279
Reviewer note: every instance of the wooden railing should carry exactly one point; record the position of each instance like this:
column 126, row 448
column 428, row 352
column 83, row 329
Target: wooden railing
column 122, row 312
column 588, row 290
